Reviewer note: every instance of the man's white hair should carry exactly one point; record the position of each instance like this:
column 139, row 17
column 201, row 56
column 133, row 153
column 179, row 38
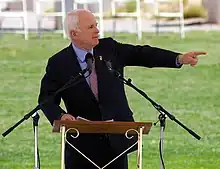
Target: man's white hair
column 71, row 22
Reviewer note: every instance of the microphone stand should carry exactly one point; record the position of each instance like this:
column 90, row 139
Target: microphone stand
column 73, row 81
column 162, row 116
column 162, row 119
column 36, row 118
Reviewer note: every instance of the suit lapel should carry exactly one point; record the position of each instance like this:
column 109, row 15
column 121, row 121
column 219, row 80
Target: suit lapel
column 102, row 72
column 107, row 83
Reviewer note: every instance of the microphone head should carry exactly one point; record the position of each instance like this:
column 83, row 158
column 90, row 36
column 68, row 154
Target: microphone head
column 109, row 65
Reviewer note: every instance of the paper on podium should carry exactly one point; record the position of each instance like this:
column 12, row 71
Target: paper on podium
column 84, row 119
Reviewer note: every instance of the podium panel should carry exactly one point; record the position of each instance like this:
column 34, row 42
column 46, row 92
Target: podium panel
column 107, row 127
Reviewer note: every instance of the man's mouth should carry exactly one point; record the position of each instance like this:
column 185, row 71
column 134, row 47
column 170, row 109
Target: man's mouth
column 96, row 37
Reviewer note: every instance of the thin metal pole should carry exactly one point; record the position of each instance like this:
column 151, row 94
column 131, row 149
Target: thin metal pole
column 140, row 143
column 36, row 162
column 63, row 129
column 161, row 145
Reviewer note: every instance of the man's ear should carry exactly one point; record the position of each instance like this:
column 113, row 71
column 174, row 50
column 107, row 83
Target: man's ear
column 76, row 31
column 73, row 33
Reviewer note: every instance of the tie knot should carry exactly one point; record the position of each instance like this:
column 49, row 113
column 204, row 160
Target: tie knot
column 90, row 62
column 89, row 56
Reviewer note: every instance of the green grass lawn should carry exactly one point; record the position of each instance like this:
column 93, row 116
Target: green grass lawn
column 192, row 94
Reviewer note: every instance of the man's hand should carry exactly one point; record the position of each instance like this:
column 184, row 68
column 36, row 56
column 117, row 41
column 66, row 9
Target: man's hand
column 67, row 117
column 190, row 58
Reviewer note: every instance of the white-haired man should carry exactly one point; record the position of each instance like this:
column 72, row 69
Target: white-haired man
column 98, row 96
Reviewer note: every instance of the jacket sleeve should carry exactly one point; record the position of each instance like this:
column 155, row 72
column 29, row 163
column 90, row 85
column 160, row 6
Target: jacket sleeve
column 49, row 85
column 147, row 56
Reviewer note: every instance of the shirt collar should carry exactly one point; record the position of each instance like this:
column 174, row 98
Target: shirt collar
column 81, row 53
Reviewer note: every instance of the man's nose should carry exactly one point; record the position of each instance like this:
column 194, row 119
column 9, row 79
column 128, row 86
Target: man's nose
column 97, row 30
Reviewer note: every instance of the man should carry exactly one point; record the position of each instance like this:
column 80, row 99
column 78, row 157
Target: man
column 100, row 95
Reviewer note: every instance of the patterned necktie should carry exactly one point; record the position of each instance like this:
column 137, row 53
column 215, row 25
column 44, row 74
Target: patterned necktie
column 93, row 81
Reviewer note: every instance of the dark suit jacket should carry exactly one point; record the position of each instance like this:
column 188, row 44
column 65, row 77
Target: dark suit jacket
column 112, row 104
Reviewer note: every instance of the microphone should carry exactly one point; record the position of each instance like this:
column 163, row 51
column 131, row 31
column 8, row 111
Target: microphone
column 89, row 60
column 109, row 66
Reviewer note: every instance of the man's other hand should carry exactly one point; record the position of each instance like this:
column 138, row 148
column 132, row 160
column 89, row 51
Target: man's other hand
column 67, row 117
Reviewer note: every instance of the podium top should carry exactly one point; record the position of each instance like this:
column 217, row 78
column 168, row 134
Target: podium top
column 115, row 127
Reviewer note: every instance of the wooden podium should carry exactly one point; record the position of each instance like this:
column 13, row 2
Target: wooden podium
column 108, row 127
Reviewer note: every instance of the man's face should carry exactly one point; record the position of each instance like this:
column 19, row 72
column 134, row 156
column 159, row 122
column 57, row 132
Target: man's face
column 86, row 36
